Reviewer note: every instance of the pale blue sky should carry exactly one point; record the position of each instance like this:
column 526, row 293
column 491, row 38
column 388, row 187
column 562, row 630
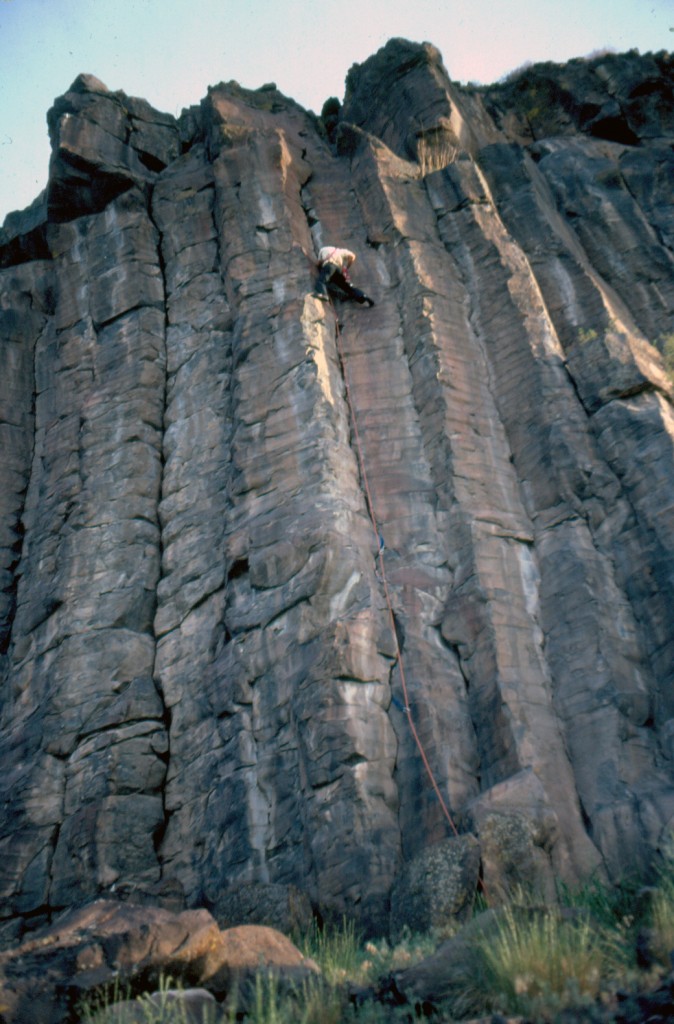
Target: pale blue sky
column 170, row 51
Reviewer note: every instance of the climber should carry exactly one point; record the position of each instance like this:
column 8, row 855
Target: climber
column 334, row 266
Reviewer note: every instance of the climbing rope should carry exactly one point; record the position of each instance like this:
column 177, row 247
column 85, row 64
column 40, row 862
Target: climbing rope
column 382, row 575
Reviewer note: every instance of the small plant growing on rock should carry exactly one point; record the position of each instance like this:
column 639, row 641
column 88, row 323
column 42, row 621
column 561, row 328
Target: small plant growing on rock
column 435, row 148
column 586, row 334
column 433, row 156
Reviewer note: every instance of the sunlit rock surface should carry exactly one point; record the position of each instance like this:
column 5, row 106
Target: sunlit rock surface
column 200, row 687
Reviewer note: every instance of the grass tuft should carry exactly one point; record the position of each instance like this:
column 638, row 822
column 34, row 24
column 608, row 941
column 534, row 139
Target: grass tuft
column 537, row 960
column 336, row 950
column 161, row 1007
column 522, row 959
column 311, row 1003
column 662, row 909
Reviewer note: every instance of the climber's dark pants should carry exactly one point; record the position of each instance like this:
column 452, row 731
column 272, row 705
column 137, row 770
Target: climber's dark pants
column 331, row 275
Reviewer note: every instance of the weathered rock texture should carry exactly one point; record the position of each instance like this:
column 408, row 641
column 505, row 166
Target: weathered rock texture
column 107, row 949
column 199, row 674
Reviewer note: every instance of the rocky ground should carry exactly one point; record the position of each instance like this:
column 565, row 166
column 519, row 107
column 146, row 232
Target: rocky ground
column 98, row 961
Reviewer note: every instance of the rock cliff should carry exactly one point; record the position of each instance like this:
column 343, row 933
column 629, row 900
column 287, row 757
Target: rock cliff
column 201, row 690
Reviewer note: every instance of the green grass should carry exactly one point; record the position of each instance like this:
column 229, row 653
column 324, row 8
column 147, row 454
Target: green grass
column 537, row 960
column 615, row 910
column 162, row 1009
column 159, row 1008
column 336, row 950
column 313, row 1002
column 608, row 904
column 662, row 907
column 342, row 956
column 526, row 959
column 541, row 963
column 93, row 1007
column 663, row 921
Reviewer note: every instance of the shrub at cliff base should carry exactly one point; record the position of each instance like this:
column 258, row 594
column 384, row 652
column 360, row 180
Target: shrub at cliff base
column 662, row 910
column 537, row 962
column 530, row 961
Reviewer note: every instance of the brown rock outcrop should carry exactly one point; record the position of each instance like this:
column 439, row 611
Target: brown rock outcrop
column 199, row 674
column 117, row 949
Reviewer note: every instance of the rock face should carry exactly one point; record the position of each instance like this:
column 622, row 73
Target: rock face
column 201, row 688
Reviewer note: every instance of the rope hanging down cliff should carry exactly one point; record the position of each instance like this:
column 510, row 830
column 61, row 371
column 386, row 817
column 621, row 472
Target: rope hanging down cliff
column 382, row 574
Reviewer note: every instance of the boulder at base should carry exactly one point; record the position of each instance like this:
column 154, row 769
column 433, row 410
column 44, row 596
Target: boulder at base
column 108, row 945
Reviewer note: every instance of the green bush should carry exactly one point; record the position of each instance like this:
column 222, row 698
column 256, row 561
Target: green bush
column 522, row 958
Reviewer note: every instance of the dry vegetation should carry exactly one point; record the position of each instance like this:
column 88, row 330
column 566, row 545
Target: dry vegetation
column 540, row 963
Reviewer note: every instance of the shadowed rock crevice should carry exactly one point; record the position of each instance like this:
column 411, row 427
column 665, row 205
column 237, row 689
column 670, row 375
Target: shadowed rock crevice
column 204, row 695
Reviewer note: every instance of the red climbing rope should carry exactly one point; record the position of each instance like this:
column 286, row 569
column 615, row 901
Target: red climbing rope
column 384, row 581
